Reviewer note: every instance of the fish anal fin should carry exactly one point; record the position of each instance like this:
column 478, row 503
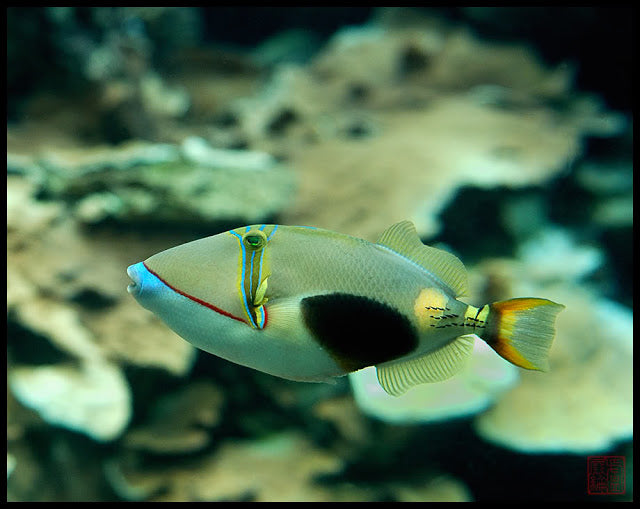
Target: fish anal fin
column 403, row 239
column 398, row 377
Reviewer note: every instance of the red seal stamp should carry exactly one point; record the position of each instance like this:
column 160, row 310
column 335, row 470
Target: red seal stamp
column 606, row 475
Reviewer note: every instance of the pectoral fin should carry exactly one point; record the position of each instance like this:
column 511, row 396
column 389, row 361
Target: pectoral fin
column 259, row 298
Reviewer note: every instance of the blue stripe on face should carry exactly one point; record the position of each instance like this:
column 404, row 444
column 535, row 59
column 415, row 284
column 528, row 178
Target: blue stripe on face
column 253, row 255
column 244, row 264
column 260, row 315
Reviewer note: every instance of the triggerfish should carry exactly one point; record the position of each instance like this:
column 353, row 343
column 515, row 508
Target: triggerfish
column 308, row 304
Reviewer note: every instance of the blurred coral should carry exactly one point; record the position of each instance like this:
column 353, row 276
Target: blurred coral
column 482, row 381
column 585, row 403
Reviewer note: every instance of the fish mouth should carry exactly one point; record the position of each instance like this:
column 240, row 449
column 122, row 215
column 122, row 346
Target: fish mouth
column 135, row 287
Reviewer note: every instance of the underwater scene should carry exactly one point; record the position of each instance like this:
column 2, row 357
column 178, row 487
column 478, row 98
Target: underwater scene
column 302, row 343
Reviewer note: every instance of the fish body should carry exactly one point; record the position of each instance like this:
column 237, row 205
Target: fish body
column 308, row 304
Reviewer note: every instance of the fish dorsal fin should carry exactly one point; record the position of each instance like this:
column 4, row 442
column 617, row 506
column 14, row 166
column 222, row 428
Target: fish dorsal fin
column 398, row 377
column 403, row 239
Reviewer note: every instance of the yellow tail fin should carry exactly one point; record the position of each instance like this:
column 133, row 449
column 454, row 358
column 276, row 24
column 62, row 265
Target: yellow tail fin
column 522, row 330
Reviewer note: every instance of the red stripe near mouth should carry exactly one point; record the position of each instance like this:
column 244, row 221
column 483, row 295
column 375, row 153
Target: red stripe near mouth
column 196, row 299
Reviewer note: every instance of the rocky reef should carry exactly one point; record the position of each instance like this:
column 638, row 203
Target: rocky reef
column 131, row 130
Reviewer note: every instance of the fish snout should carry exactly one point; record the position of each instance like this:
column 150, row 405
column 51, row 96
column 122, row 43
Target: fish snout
column 134, row 272
column 146, row 287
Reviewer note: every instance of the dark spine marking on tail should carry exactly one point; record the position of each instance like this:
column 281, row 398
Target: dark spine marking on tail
column 358, row 331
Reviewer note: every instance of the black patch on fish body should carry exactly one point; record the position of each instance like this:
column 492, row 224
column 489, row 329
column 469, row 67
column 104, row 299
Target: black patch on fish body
column 358, row 331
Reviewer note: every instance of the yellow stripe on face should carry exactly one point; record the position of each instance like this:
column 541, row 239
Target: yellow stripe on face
column 253, row 272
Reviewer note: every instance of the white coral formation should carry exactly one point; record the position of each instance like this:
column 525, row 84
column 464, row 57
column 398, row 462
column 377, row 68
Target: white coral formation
column 412, row 168
column 553, row 254
column 279, row 468
column 49, row 262
column 239, row 469
column 432, row 110
column 180, row 421
column 584, row 404
column 92, row 398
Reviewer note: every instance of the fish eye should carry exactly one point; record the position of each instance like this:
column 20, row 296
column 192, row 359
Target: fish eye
column 255, row 240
